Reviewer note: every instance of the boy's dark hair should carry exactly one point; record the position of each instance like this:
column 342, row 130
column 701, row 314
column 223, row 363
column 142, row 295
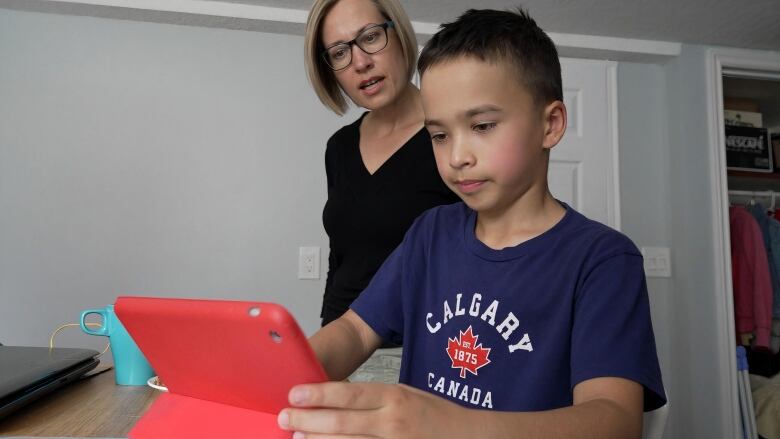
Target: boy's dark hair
column 494, row 36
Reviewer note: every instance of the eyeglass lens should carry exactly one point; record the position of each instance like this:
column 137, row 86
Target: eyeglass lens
column 371, row 40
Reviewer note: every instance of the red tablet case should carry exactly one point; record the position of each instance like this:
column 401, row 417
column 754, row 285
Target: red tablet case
column 228, row 365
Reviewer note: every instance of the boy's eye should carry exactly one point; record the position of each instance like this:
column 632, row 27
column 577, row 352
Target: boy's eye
column 438, row 137
column 484, row 127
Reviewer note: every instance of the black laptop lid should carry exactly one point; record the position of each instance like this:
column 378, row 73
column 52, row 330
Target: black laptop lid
column 25, row 366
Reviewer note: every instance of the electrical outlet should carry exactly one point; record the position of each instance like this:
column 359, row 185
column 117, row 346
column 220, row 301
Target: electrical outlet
column 657, row 261
column 308, row 262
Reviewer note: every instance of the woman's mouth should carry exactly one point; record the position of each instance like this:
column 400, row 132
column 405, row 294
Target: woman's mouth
column 372, row 85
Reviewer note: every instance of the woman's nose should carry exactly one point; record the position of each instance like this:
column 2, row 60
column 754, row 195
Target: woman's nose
column 360, row 59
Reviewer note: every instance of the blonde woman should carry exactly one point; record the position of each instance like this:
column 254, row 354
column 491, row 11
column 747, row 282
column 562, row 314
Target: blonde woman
column 381, row 171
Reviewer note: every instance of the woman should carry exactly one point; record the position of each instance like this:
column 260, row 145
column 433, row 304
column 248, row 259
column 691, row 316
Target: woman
column 380, row 169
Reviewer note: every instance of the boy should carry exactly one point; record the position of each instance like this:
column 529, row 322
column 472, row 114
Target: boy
column 519, row 316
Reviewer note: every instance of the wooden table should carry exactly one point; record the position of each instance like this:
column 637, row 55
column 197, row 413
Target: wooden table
column 92, row 407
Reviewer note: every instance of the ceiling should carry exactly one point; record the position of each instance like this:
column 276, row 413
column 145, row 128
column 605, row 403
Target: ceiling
column 621, row 30
column 751, row 24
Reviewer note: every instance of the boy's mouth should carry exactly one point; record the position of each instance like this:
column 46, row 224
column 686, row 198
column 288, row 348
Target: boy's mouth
column 469, row 186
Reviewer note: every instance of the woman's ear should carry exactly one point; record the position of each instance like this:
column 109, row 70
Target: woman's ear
column 554, row 123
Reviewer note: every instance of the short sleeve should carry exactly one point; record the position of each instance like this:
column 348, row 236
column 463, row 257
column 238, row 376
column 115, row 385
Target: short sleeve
column 380, row 304
column 612, row 334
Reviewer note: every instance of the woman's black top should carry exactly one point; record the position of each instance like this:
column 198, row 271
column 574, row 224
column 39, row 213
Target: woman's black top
column 367, row 215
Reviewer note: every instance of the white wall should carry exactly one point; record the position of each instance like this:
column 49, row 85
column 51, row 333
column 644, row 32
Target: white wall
column 644, row 194
column 666, row 200
column 700, row 349
column 153, row 159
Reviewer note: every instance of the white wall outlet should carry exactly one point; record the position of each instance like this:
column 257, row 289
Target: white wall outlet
column 308, row 262
column 658, row 263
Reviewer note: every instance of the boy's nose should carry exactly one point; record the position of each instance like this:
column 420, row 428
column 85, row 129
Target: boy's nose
column 460, row 155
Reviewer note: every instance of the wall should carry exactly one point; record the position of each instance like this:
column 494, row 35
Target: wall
column 150, row 159
column 666, row 197
column 667, row 191
column 701, row 350
column 644, row 195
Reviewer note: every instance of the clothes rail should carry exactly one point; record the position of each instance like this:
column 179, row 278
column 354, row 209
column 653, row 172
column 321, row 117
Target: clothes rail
column 752, row 195
column 767, row 194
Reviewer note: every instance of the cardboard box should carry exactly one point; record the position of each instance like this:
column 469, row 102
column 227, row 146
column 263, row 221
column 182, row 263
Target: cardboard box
column 740, row 104
column 743, row 118
column 748, row 149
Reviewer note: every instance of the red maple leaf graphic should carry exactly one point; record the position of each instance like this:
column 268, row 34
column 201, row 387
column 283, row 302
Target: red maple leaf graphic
column 466, row 354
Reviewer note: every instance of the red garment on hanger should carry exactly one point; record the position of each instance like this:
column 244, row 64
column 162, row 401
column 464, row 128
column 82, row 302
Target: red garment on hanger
column 750, row 277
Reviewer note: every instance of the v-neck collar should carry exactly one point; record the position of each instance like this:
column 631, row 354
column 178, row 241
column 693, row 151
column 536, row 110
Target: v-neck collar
column 387, row 162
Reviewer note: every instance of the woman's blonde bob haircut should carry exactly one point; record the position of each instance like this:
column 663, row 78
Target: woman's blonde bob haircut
column 321, row 76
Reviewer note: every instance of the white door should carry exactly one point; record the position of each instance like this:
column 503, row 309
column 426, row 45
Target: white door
column 584, row 165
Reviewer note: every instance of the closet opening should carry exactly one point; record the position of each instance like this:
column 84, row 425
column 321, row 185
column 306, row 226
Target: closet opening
column 745, row 140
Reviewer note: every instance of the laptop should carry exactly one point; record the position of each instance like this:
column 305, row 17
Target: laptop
column 28, row 373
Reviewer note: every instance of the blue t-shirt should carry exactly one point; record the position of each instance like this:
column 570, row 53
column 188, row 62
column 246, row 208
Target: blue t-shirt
column 514, row 329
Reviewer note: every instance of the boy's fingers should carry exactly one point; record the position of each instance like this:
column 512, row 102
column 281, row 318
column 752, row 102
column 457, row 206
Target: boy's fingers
column 327, row 422
column 359, row 396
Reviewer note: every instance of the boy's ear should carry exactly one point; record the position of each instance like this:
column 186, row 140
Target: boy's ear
column 554, row 123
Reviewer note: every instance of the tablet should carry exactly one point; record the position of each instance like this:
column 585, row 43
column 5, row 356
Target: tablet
column 228, row 365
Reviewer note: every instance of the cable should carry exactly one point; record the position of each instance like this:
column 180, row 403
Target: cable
column 94, row 325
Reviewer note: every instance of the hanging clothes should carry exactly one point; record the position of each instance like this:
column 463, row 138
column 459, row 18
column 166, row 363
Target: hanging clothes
column 752, row 282
column 770, row 231
column 774, row 261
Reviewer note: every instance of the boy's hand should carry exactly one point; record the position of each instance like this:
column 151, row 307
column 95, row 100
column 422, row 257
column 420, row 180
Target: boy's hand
column 388, row 411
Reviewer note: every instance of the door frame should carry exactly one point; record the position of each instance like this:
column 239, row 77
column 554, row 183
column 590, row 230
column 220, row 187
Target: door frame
column 748, row 64
column 613, row 200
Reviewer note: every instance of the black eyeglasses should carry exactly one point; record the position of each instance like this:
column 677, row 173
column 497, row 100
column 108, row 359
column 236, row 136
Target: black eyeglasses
column 371, row 40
